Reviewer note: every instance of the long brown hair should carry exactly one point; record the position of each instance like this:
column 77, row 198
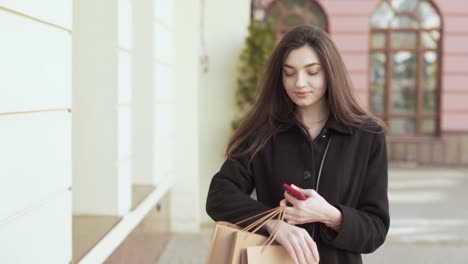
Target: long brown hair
column 274, row 111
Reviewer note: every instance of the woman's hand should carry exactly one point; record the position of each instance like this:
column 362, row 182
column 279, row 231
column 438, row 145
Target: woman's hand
column 297, row 241
column 314, row 209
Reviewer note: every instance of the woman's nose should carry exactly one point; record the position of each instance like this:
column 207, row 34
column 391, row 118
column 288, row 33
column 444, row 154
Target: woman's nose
column 301, row 80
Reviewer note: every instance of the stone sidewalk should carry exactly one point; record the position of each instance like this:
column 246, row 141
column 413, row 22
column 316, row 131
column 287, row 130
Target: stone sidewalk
column 429, row 217
column 429, row 221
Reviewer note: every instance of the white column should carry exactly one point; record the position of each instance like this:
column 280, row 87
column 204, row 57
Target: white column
column 101, row 106
column 185, row 192
column 143, row 93
column 165, row 101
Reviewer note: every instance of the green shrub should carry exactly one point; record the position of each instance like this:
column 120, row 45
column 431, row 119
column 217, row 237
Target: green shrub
column 258, row 47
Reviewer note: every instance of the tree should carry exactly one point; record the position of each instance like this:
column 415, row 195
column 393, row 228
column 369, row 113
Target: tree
column 258, row 47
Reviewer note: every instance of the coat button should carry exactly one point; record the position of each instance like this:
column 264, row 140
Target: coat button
column 307, row 175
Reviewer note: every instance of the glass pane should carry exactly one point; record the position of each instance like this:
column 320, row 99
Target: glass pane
column 435, row 34
column 315, row 16
column 404, row 5
column 382, row 17
column 428, row 127
column 378, row 40
column 404, row 22
column 430, row 39
column 378, row 82
column 404, row 39
column 403, row 126
column 292, row 21
column 430, row 81
column 404, row 82
column 428, row 15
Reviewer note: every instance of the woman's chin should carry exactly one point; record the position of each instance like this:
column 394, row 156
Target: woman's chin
column 304, row 103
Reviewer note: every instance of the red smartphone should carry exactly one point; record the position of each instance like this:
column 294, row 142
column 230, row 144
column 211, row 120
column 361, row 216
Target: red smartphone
column 294, row 192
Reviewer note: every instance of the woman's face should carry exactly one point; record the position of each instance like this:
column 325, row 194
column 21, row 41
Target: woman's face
column 303, row 77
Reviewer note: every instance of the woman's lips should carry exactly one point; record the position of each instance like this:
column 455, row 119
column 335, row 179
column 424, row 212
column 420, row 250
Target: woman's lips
column 301, row 94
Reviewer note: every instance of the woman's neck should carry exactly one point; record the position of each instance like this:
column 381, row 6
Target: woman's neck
column 314, row 114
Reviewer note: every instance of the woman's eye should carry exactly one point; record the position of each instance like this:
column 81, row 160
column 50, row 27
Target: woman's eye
column 312, row 73
column 288, row 74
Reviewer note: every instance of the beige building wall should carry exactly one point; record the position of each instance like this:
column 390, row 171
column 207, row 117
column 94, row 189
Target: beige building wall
column 185, row 180
column 225, row 28
column 35, row 131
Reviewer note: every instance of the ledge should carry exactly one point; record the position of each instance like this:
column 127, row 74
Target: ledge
column 96, row 237
column 422, row 139
column 148, row 241
column 88, row 230
column 139, row 194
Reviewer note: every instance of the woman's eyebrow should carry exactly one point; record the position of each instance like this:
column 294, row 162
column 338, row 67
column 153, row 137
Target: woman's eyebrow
column 305, row 66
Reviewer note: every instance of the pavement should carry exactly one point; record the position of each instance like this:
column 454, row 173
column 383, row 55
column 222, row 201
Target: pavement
column 429, row 221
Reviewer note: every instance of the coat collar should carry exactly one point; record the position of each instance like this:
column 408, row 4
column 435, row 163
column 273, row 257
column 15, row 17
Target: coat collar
column 337, row 126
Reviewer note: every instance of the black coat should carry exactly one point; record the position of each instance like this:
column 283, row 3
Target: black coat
column 353, row 179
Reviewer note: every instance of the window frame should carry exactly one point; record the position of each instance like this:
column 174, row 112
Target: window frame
column 419, row 51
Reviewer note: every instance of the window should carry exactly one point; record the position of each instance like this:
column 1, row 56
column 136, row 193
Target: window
column 287, row 14
column 405, row 66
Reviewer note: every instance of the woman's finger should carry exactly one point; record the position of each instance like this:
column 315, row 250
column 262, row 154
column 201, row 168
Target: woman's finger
column 313, row 248
column 298, row 250
column 292, row 216
column 291, row 253
column 307, row 251
column 283, row 202
column 293, row 200
column 307, row 192
column 289, row 217
column 297, row 187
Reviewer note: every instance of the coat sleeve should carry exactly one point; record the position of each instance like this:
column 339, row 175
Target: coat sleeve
column 365, row 227
column 229, row 194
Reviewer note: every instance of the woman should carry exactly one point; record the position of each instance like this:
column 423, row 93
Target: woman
column 307, row 129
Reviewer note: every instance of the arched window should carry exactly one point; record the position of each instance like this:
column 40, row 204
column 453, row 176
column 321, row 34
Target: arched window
column 405, row 66
column 286, row 14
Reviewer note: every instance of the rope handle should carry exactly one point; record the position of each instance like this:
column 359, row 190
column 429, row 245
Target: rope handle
column 275, row 230
column 271, row 210
column 268, row 215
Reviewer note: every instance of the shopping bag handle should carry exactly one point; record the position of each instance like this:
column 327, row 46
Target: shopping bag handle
column 268, row 215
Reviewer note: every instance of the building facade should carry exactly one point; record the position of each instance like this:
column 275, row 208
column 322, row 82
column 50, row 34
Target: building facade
column 407, row 60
